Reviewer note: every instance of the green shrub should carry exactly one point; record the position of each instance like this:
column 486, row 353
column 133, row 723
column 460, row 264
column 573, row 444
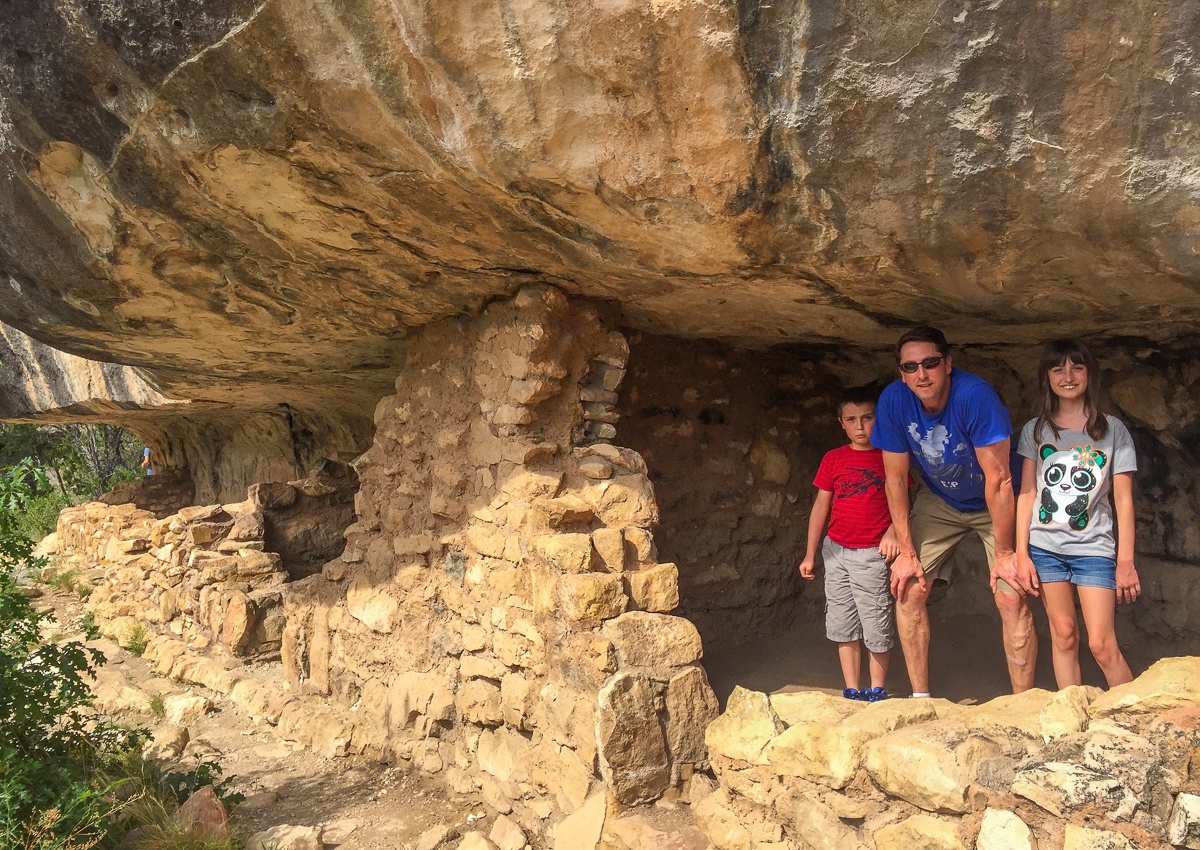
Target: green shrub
column 136, row 640
column 39, row 517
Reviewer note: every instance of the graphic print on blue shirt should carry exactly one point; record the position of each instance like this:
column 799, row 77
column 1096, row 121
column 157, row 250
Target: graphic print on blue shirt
column 943, row 444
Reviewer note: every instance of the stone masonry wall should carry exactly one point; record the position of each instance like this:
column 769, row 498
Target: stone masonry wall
column 200, row 574
column 1079, row 769
column 499, row 613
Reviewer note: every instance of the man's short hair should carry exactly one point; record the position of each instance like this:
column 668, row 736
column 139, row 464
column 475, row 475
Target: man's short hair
column 868, row 394
column 924, row 333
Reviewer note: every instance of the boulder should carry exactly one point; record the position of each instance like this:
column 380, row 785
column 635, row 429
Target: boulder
column 1077, row 837
column 1169, row 683
column 930, row 765
column 920, row 831
column 744, row 730
column 818, row 752
column 816, row 707
column 689, row 705
column 286, row 837
column 817, row 825
column 643, row 639
column 1062, row 788
column 581, row 830
column 633, row 751
column 1183, row 829
column 1003, row 830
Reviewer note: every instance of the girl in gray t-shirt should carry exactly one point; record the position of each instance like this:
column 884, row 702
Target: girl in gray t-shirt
column 1078, row 468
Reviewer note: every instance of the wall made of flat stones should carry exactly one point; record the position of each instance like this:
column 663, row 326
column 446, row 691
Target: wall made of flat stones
column 1078, row 768
column 499, row 614
column 200, row 574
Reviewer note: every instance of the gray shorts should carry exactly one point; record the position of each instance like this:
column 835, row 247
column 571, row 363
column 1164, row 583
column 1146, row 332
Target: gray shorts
column 858, row 598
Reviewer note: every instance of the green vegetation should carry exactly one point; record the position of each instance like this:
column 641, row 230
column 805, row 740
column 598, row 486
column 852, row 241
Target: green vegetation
column 76, row 463
column 135, row 641
column 71, row 779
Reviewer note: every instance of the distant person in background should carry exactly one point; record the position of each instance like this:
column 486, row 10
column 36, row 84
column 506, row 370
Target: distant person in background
column 146, row 461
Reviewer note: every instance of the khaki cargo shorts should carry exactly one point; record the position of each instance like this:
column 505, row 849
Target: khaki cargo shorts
column 938, row 528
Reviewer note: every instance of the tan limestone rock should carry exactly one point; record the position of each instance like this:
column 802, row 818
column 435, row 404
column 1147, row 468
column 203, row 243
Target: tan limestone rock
column 689, row 706
column 818, row 752
column 920, row 831
column 506, row 834
column 565, row 510
column 633, row 751
column 182, row 709
column 286, row 837
column 570, row 553
column 746, row 727
column 734, row 823
column 1020, row 712
column 624, row 500
column 816, row 707
column 476, row 840
column 640, row 548
column 1077, row 837
column 590, row 597
column 609, row 544
column 817, row 825
column 1061, row 788
column 930, row 765
column 644, row 639
column 1067, row 711
column 1003, row 830
column 880, row 718
column 639, row 832
column 654, row 589
column 478, row 701
column 581, row 830
column 560, row 772
column 1169, row 683
column 1183, row 828
column 371, row 606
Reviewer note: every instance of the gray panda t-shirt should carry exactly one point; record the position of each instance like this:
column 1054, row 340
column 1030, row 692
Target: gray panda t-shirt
column 1072, row 512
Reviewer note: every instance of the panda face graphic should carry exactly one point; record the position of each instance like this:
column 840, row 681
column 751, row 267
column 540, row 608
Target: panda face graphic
column 1069, row 476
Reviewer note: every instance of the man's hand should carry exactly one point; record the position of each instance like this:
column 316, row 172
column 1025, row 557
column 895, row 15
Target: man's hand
column 1129, row 587
column 806, row 569
column 1018, row 572
column 905, row 568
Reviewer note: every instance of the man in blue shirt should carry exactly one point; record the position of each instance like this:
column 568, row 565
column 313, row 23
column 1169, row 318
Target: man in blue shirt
column 955, row 429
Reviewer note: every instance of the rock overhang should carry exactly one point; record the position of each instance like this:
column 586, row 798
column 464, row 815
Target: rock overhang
column 238, row 196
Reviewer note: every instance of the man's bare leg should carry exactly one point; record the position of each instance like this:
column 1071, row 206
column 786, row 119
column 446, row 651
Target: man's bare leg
column 1020, row 639
column 912, row 624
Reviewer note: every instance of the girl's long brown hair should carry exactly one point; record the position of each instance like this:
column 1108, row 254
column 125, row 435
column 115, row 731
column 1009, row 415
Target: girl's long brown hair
column 1056, row 353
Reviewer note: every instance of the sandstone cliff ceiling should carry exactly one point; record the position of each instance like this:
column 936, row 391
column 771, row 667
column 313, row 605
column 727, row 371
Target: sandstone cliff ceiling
column 262, row 198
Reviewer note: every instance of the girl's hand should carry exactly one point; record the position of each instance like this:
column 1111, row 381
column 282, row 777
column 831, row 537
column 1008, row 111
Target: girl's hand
column 1129, row 587
column 806, row 569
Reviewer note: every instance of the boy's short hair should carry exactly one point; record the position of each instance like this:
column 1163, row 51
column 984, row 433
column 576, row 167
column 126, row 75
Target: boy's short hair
column 867, row 394
column 924, row 333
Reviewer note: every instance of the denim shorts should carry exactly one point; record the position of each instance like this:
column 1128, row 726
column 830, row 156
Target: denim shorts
column 1080, row 570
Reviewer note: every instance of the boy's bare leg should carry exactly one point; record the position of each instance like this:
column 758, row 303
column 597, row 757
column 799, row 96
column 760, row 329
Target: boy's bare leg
column 912, row 624
column 850, row 656
column 877, row 663
column 1020, row 640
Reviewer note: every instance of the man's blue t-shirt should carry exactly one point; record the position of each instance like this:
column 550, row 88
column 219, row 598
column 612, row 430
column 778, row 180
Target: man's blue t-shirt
column 943, row 444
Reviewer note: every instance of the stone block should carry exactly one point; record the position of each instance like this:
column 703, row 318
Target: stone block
column 1169, row 683
column 609, row 544
column 877, row 719
column 506, row 834
column 640, row 548
column 815, row 707
column 929, row 765
column 286, row 837
column 1067, row 711
column 1013, row 712
column 689, row 706
column 1061, row 788
column 581, row 830
column 238, row 625
column 818, row 752
column 479, row 702
column 371, row 606
column 624, row 500
column 645, row 639
column 924, row 831
column 746, row 727
column 566, row 510
column 733, row 823
column 561, row 772
column 816, row 825
column 1077, row 837
column 514, row 699
column 591, row 597
column 1003, row 830
column 631, row 745
column 182, row 709
column 655, row 589
column 570, row 553
column 596, row 469
column 1183, row 828
column 481, row 667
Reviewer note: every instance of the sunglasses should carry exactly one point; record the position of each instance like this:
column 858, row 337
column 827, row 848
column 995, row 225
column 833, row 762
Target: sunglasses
column 910, row 366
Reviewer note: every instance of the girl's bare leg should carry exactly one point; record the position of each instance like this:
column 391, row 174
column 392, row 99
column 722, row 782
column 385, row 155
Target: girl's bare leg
column 1099, row 614
column 1059, row 599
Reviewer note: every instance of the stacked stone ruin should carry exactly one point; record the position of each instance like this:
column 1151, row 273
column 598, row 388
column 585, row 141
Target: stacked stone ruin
column 499, row 617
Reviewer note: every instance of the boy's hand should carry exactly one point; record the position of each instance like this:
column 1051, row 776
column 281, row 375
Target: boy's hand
column 889, row 546
column 806, row 569
column 1129, row 587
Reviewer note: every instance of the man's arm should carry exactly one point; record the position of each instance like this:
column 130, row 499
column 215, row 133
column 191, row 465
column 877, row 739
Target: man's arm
column 906, row 567
column 998, row 493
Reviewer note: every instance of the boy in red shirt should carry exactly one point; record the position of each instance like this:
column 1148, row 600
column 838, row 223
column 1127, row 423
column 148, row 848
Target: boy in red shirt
column 860, row 542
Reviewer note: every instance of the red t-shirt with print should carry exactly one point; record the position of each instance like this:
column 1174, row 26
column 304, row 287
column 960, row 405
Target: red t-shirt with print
column 859, row 514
